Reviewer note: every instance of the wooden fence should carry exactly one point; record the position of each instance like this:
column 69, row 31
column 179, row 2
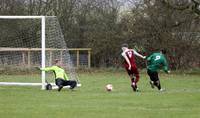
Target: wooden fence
column 27, row 51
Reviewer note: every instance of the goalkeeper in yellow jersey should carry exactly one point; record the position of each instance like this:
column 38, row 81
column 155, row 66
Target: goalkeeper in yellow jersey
column 61, row 78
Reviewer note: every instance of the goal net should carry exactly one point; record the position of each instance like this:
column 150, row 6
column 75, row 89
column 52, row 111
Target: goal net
column 32, row 41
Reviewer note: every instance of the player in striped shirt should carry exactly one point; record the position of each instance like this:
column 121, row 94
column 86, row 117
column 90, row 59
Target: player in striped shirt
column 130, row 65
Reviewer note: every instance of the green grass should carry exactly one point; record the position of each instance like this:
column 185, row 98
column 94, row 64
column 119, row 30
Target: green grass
column 180, row 100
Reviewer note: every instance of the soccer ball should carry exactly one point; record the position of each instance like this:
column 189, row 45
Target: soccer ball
column 109, row 87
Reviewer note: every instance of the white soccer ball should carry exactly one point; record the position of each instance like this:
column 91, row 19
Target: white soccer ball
column 109, row 87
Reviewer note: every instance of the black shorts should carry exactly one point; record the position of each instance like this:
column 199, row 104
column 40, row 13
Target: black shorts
column 62, row 82
column 153, row 75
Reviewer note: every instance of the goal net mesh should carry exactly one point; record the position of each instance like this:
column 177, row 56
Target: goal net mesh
column 20, row 46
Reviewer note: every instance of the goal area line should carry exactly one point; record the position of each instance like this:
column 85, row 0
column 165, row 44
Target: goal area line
column 32, row 84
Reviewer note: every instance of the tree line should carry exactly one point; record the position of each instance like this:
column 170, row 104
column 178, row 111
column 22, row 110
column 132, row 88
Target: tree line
column 103, row 25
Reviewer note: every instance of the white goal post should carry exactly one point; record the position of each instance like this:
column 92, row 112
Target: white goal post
column 43, row 47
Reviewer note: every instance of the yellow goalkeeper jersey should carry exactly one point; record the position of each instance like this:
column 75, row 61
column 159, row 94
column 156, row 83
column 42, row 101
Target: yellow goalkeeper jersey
column 58, row 72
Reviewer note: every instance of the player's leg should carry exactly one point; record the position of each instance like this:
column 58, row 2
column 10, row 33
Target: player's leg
column 157, row 80
column 151, row 78
column 71, row 83
column 59, row 82
column 137, row 77
column 154, row 79
column 131, row 75
column 133, row 84
column 136, row 73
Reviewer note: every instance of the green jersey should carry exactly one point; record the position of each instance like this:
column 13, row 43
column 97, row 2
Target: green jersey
column 157, row 61
column 59, row 72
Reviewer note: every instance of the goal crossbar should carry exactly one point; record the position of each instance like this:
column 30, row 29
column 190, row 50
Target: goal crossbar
column 23, row 17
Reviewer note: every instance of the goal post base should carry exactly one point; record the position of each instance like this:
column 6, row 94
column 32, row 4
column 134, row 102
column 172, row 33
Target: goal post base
column 32, row 84
column 56, row 87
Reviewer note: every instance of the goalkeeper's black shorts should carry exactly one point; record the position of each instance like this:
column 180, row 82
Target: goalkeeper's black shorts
column 61, row 82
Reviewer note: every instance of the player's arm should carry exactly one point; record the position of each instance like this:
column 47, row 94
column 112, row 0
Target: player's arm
column 148, row 59
column 48, row 68
column 127, row 60
column 165, row 66
column 139, row 55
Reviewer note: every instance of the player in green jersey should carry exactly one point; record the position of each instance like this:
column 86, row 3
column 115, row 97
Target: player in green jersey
column 61, row 78
column 155, row 62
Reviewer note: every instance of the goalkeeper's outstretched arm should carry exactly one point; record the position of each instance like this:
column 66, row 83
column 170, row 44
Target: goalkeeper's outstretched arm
column 47, row 68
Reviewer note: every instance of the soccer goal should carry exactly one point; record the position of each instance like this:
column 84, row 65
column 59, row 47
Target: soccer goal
column 32, row 41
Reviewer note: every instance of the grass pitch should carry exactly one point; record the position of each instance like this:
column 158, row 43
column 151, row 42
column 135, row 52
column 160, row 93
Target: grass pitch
column 180, row 100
